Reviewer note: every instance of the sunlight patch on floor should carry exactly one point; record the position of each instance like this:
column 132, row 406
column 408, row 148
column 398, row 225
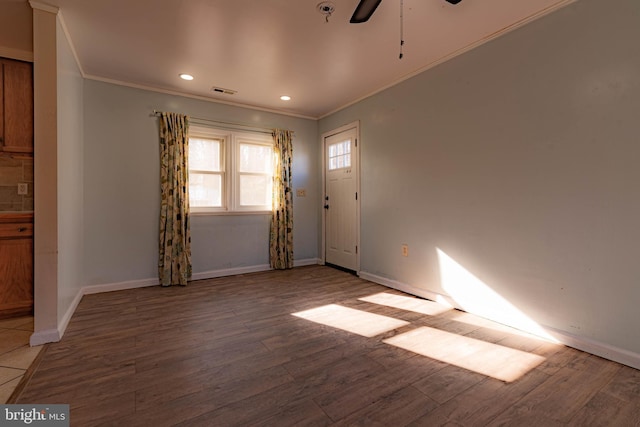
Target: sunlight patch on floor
column 478, row 298
column 413, row 304
column 493, row 360
column 351, row 320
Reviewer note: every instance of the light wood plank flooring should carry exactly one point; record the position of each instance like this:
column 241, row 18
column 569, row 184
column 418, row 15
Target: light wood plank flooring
column 231, row 352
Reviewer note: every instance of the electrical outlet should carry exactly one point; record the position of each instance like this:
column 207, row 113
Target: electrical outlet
column 23, row 189
column 405, row 250
column 301, row 192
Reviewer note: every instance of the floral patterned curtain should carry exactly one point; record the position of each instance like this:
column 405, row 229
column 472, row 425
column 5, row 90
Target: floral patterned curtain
column 174, row 266
column 281, row 235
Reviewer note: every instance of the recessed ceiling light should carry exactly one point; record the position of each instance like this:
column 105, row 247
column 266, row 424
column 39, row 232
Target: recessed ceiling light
column 185, row 76
column 285, row 98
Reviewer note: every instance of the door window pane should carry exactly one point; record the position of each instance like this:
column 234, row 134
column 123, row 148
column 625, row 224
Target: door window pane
column 340, row 155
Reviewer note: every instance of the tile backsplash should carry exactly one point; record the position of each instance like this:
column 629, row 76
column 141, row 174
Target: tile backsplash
column 14, row 171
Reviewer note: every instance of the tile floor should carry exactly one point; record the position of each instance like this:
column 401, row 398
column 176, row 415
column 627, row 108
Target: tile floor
column 15, row 353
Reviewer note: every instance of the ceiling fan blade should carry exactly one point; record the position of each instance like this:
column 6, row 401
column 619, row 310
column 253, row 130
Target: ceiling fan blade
column 364, row 10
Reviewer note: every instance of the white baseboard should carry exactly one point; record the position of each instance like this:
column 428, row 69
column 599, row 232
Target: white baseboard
column 119, row 286
column 54, row 335
column 62, row 324
column 249, row 269
column 212, row 274
column 433, row 296
column 588, row 345
column 307, row 261
column 44, row 337
column 597, row 348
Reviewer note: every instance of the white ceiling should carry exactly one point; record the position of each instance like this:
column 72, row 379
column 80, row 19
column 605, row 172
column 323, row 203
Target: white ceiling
column 267, row 48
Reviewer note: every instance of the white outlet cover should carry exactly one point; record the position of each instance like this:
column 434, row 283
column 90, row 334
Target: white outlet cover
column 23, row 189
column 405, row 250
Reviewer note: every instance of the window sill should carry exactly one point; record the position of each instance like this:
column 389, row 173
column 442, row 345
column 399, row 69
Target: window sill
column 230, row 213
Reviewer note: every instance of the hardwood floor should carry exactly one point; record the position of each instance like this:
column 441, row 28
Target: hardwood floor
column 253, row 350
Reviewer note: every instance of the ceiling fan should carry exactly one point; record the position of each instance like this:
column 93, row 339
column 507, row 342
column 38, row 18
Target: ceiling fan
column 365, row 9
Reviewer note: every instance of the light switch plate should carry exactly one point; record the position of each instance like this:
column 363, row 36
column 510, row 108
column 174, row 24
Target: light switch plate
column 301, row 192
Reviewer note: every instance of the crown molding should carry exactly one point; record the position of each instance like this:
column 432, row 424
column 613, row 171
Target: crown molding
column 65, row 30
column 44, row 6
column 193, row 96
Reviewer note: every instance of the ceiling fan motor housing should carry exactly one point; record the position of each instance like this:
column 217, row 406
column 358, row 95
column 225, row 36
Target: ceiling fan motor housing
column 364, row 10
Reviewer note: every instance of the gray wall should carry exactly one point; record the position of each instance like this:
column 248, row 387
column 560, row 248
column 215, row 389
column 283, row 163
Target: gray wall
column 519, row 161
column 70, row 174
column 121, row 188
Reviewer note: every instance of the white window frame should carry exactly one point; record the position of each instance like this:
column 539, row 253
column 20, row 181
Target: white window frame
column 249, row 139
column 230, row 157
column 225, row 138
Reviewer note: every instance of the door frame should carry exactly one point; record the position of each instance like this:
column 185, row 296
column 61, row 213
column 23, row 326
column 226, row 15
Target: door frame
column 358, row 145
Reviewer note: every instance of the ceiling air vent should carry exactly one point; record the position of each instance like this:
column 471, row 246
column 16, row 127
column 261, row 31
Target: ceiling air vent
column 223, row 90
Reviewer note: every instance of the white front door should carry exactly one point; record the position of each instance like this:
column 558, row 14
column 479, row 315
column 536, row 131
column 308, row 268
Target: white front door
column 341, row 199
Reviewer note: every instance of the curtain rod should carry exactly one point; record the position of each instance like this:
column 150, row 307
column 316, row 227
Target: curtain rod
column 227, row 125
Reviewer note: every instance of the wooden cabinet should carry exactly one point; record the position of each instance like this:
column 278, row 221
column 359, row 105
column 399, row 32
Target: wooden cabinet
column 16, row 264
column 16, row 106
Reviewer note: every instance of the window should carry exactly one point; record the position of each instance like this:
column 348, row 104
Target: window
column 229, row 171
column 340, row 155
column 206, row 172
column 255, row 170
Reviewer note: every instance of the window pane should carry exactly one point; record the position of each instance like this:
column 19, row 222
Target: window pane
column 256, row 158
column 340, row 155
column 205, row 190
column 255, row 190
column 204, row 154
